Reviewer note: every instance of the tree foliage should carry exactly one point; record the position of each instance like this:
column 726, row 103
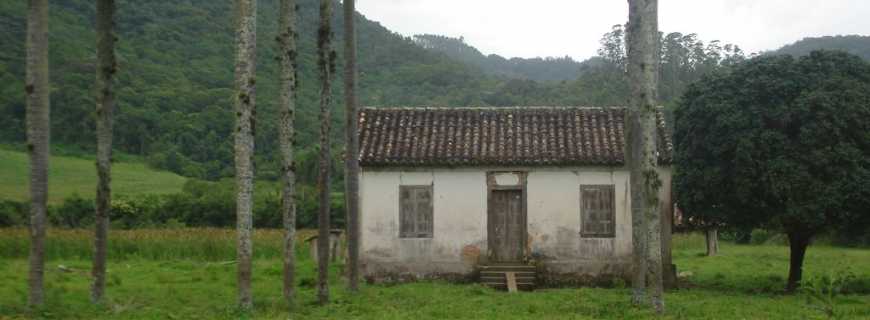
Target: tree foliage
column 778, row 142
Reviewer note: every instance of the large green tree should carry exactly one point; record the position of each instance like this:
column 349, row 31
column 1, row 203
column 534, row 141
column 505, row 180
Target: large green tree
column 778, row 142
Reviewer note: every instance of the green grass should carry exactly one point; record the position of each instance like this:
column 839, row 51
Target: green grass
column 69, row 175
column 189, row 274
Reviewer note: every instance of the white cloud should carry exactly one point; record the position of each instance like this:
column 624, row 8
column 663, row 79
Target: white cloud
column 573, row 27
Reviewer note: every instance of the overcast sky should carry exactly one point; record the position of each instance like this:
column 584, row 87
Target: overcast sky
column 531, row 28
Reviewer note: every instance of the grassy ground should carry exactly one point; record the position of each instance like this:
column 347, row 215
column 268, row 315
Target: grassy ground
column 68, row 175
column 153, row 275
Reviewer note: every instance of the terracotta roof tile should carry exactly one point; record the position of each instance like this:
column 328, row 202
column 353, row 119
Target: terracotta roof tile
column 505, row 136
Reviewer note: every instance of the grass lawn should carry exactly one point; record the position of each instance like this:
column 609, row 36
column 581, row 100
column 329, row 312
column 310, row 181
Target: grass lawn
column 743, row 282
column 68, row 175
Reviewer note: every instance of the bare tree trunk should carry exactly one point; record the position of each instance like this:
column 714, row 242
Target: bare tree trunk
column 642, row 71
column 287, row 131
column 246, row 46
column 712, row 237
column 106, row 69
column 352, row 170
column 798, row 243
column 38, row 133
column 326, row 64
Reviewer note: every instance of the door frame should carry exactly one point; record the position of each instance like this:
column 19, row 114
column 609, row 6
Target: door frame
column 492, row 185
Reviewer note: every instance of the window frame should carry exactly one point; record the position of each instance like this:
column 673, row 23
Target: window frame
column 415, row 233
column 612, row 212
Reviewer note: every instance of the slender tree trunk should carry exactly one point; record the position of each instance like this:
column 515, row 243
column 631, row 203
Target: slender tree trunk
column 326, row 64
column 246, row 45
column 798, row 243
column 287, row 131
column 38, row 133
column 712, row 236
column 106, row 69
column 642, row 71
column 352, row 170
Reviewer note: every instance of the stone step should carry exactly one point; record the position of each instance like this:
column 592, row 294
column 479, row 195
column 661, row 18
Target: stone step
column 502, row 279
column 504, row 268
column 486, row 273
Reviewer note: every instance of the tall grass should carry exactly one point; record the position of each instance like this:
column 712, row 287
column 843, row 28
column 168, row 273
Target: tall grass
column 207, row 244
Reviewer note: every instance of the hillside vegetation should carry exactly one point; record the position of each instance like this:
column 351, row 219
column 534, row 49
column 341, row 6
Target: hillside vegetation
column 854, row 44
column 176, row 68
column 538, row 69
column 69, row 175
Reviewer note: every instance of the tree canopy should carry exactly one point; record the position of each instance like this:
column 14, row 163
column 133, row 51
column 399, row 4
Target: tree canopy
column 778, row 142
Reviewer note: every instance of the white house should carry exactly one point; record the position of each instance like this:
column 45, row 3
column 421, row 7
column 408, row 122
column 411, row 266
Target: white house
column 456, row 192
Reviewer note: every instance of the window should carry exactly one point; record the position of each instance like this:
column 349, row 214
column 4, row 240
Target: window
column 597, row 218
column 415, row 211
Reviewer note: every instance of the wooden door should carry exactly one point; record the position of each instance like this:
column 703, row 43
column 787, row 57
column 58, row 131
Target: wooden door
column 506, row 226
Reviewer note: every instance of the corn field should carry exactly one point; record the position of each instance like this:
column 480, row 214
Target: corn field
column 207, row 244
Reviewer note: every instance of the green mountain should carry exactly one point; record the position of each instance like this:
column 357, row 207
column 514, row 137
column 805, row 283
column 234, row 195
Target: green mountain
column 538, row 69
column 175, row 91
column 854, row 44
column 175, row 80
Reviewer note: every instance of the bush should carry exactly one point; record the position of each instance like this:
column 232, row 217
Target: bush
column 13, row 213
column 200, row 204
column 74, row 212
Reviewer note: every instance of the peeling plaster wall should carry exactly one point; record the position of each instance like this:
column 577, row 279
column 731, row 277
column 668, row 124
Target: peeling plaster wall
column 459, row 223
column 460, row 211
column 554, row 222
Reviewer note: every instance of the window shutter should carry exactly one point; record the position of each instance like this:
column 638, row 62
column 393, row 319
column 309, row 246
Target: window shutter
column 415, row 211
column 597, row 210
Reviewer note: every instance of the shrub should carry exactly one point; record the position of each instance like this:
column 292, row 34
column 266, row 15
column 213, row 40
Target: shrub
column 13, row 213
column 74, row 212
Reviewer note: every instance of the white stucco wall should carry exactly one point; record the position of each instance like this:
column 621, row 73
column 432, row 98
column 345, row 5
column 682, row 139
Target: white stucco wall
column 460, row 211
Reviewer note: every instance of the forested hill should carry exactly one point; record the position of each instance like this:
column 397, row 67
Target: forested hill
column 539, row 69
column 854, row 44
column 176, row 70
column 175, row 84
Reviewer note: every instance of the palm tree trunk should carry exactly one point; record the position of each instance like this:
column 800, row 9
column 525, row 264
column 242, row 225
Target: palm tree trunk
column 38, row 133
column 246, row 45
column 287, row 131
column 326, row 64
column 352, row 170
column 106, row 69
column 642, row 71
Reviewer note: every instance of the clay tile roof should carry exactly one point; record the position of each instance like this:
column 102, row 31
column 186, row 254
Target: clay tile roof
column 526, row 136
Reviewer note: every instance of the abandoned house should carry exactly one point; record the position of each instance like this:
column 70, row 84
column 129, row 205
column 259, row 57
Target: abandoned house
column 458, row 193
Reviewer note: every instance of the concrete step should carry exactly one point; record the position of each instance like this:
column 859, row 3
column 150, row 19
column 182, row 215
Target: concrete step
column 502, row 279
column 513, row 267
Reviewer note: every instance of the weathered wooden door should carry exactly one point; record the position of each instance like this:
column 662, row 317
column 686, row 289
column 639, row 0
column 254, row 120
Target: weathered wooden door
column 506, row 226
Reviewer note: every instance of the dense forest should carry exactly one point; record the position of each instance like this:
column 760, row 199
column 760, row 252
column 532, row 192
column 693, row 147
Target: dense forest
column 176, row 70
column 854, row 44
column 538, row 69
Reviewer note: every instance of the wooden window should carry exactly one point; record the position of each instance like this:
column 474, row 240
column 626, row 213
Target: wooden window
column 597, row 211
column 415, row 211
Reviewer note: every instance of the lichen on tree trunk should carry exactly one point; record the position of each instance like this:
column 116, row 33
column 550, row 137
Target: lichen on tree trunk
column 352, row 168
column 106, row 69
column 287, row 135
column 712, row 237
column 244, row 141
column 326, row 66
column 642, row 70
column 38, row 132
